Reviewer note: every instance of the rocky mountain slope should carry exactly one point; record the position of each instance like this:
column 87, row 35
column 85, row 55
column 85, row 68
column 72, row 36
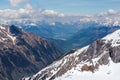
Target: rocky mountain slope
column 97, row 61
column 23, row 54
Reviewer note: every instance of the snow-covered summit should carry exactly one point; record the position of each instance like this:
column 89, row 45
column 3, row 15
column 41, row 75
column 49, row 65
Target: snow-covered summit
column 113, row 38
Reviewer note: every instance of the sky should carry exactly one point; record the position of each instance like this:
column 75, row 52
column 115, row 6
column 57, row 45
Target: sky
column 69, row 7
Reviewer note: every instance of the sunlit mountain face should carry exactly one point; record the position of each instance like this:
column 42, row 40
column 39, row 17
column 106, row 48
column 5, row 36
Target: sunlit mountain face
column 23, row 53
column 59, row 40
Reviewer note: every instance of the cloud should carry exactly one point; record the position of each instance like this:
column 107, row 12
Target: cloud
column 16, row 2
column 52, row 12
column 28, row 6
column 111, row 11
column 28, row 13
column 108, row 12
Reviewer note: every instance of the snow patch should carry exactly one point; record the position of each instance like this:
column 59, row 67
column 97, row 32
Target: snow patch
column 114, row 38
column 32, row 24
column 95, row 60
column 1, row 27
column 13, row 38
column 105, row 72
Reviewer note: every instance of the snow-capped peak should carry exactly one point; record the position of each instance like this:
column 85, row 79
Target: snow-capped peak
column 113, row 38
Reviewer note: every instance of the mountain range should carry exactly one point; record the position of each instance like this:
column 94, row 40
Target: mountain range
column 99, row 60
column 54, row 42
column 73, row 35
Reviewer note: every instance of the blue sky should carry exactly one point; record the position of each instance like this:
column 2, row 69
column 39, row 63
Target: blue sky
column 71, row 7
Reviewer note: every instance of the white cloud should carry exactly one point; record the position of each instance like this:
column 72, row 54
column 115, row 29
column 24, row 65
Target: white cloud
column 52, row 12
column 16, row 2
column 28, row 6
column 28, row 13
column 111, row 11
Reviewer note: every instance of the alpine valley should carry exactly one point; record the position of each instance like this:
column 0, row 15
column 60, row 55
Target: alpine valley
column 97, row 61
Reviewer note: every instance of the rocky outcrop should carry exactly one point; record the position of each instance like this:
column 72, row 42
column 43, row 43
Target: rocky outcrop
column 22, row 53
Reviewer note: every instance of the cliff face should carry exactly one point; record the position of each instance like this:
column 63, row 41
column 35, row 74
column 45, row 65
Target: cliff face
column 22, row 53
column 101, row 58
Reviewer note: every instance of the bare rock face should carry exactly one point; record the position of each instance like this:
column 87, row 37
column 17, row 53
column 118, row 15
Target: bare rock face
column 88, row 58
column 115, row 54
column 23, row 54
